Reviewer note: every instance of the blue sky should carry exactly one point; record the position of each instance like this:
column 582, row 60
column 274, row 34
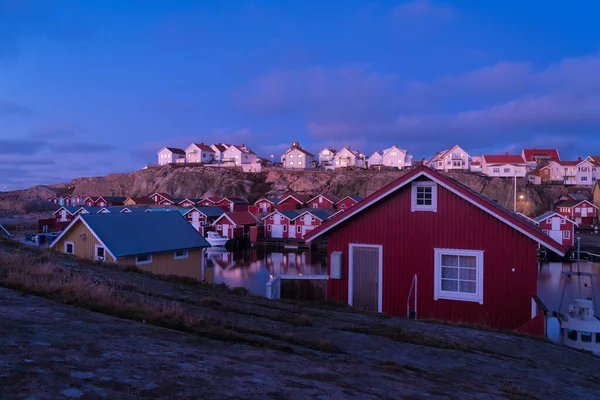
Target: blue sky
column 88, row 88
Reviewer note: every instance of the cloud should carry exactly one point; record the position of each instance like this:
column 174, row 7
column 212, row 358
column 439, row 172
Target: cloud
column 8, row 108
column 80, row 148
column 19, row 146
column 51, row 130
column 421, row 9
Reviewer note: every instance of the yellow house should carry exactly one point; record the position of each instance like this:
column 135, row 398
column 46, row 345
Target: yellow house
column 132, row 201
column 162, row 243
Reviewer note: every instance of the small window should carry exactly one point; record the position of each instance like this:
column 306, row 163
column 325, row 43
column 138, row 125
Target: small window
column 496, row 170
column 299, row 162
column 100, row 254
column 269, row 228
column 312, row 218
column 219, row 227
column 299, row 228
column 271, row 218
column 343, row 206
column 143, row 259
column 69, row 247
column 299, row 156
column 291, row 163
column 315, row 205
column 458, row 275
column 181, row 254
column 424, row 196
column 291, row 156
column 285, row 228
column 566, row 235
column 597, row 337
column 572, row 334
column 586, row 337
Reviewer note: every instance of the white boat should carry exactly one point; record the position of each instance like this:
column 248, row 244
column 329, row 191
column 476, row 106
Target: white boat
column 215, row 239
column 579, row 326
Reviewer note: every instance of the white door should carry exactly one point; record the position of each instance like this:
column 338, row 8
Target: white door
column 556, row 235
column 263, row 207
column 196, row 220
column 584, row 212
column 556, row 224
column 225, row 231
column 276, row 231
column 63, row 215
column 306, row 229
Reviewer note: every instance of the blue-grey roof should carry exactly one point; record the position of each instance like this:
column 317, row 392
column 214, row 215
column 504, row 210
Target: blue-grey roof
column 114, row 199
column 356, row 198
column 89, row 209
column 544, row 216
column 578, row 196
column 290, row 214
column 163, row 209
column 134, row 209
column 211, row 211
column 130, row 234
column 322, row 213
column 274, row 200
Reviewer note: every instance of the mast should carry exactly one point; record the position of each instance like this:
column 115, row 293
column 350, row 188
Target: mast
column 515, row 194
column 578, row 264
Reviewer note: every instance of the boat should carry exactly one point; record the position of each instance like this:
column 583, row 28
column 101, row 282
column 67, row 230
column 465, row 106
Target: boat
column 215, row 239
column 579, row 326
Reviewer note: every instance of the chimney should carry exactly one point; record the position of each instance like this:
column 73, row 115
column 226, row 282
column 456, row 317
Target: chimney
column 578, row 158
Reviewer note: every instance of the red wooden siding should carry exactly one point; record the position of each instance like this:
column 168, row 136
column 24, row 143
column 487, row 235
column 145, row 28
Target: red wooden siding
column 567, row 226
column 409, row 239
column 265, row 206
column 289, row 204
column 325, row 203
column 345, row 204
column 279, row 219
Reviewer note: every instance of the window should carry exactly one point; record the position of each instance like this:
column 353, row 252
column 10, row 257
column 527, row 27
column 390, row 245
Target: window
column 586, row 337
column 299, row 229
column 584, row 178
column 271, row 218
column 458, row 275
column 181, row 254
column 299, row 162
column 291, row 163
column 566, row 235
column 572, row 334
column 343, row 206
column 315, row 205
column 506, row 170
column 496, row 170
column 545, row 231
column 219, row 227
column 394, row 153
column 69, row 247
column 285, row 228
column 424, row 196
column 291, row 156
column 590, row 210
column 299, row 155
column 269, row 228
column 100, row 253
column 143, row 259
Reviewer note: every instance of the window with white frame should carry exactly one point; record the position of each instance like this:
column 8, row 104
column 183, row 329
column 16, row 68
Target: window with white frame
column 496, row 170
column 100, row 253
column 69, row 248
column 291, row 156
column 285, row 228
column 299, row 155
column 219, row 227
column 424, row 196
column 143, row 259
column 315, row 205
column 567, row 235
column 269, row 228
column 506, row 170
column 179, row 254
column 584, row 178
column 291, row 163
column 299, row 228
column 458, row 275
column 299, row 162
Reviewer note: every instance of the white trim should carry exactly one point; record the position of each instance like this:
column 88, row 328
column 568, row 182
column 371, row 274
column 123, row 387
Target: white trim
column 379, row 275
column 357, row 209
column 149, row 261
column 176, row 257
column 438, row 293
column 413, row 196
column 65, row 247
column 292, row 196
column 89, row 228
column 96, row 247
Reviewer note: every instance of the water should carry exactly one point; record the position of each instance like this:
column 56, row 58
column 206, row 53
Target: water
column 252, row 269
column 551, row 282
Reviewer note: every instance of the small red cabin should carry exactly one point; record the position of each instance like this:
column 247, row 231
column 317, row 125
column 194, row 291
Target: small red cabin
column 162, row 199
column 90, row 201
column 209, row 201
column 280, row 224
column 203, row 216
column 322, row 201
column 233, row 204
column 583, row 212
column 267, row 204
column 405, row 242
column 558, row 227
column 235, row 225
column 293, row 202
column 347, row 202
column 188, row 203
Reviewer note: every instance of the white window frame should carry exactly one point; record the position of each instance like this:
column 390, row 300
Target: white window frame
column 148, row 261
column 285, row 228
column 176, row 257
column 413, row 201
column 439, row 294
column 268, row 227
column 566, row 235
column 72, row 246
column 299, row 228
column 96, row 247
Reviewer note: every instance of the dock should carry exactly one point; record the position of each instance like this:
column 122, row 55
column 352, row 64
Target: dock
column 281, row 244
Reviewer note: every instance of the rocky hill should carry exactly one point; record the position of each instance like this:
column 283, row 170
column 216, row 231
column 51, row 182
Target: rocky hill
column 196, row 182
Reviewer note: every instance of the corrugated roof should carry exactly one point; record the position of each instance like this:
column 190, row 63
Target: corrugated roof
column 130, row 234
column 211, row 211
column 504, row 159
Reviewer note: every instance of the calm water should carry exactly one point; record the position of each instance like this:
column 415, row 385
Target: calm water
column 252, row 269
column 551, row 281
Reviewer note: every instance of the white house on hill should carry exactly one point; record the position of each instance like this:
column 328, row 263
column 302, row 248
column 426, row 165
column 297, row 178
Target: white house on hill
column 454, row 158
column 238, row 155
column 296, row 157
column 348, row 158
column 219, row 149
column 199, row 153
column 325, row 156
column 170, row 155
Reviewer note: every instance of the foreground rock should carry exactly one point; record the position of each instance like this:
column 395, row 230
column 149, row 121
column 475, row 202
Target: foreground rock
column 268, row 349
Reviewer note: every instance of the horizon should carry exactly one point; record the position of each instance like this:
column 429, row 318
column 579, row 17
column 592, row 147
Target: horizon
column 99, row 88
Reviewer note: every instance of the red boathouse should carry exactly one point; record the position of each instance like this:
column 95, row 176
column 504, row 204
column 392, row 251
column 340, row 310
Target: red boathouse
column 473, row 260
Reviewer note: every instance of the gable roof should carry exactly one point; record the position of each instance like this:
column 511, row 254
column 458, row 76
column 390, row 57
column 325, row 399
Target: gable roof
column 578, row 196
column 173, row 150
column 272, row 200
column 329, row 148
column 212, row 211
column 234, row 200
column 194, row 201
column 300, row 198
column 473, row 197
column 329, row 197
column 212, row 199
column 549, row 214
column 220, row 147
column 503, row 159
column 131, row 234
column 167, row 196
column 203, row 147
column 113, row 199
column 140, row 200
column 238, row 218
column 530, row 154
column 289, row 214
column 321, row 213
column 300, row 149
column 573, row 203
column 355, row 198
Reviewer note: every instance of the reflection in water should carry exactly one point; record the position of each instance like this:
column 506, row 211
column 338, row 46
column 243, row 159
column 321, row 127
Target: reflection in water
column 252, row 269
column 551, row 282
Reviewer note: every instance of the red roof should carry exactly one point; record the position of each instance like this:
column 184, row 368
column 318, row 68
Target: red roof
column 471, row 196
column 570, row 163
column 503, row 159
column 239, row 218
column 302, row 198
column 220, row 147
column 165, row 195
column 141, row 200
column 329, row 197
column 531, row 153
column 204, row 147
column 475, row 163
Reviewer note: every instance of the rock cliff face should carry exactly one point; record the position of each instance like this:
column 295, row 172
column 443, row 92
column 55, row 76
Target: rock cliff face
column 196, row 182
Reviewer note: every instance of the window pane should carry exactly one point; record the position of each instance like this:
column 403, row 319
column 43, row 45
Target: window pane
column 468, row 261
column 468, row 287
column 449, row 285
column 468, row 274
column 586, row 337
column 449, row 260
column 451, row 273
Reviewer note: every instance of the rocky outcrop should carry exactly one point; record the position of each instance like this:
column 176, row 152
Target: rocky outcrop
column 197, row 182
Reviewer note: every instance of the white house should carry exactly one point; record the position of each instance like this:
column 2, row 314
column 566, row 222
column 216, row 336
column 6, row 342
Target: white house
column 219, row 149
column 325, row 156
column 348, row 158
column 580, row 172
column 296, row 157
column 238, row 155
column 504, row 166
column 454, row 158
column 376, row 158
column 169, row 155
column 199, row 153
column 396, row 157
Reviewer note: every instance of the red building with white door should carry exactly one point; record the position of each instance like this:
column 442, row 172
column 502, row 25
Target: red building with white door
column 558, row 227
column 347, row 202
column 266, row 204
column 235, row 225
column 427, row 240
column 209, row 201
column 200, row 217
column 233, row 204
column 322, row 201
column 280, row 224
column 294, row 202
column 583, row 212
column 162, row 199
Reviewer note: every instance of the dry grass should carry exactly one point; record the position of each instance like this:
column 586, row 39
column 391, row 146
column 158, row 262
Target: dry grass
column 301, row 320
column 211, row 302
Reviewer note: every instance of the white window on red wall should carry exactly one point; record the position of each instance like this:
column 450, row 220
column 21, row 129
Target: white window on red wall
column 285, row 228
column 566, row 235
column 219, row 227
column 458, row 275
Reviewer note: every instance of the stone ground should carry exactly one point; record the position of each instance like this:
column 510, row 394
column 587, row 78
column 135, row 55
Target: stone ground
column 52, row 350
